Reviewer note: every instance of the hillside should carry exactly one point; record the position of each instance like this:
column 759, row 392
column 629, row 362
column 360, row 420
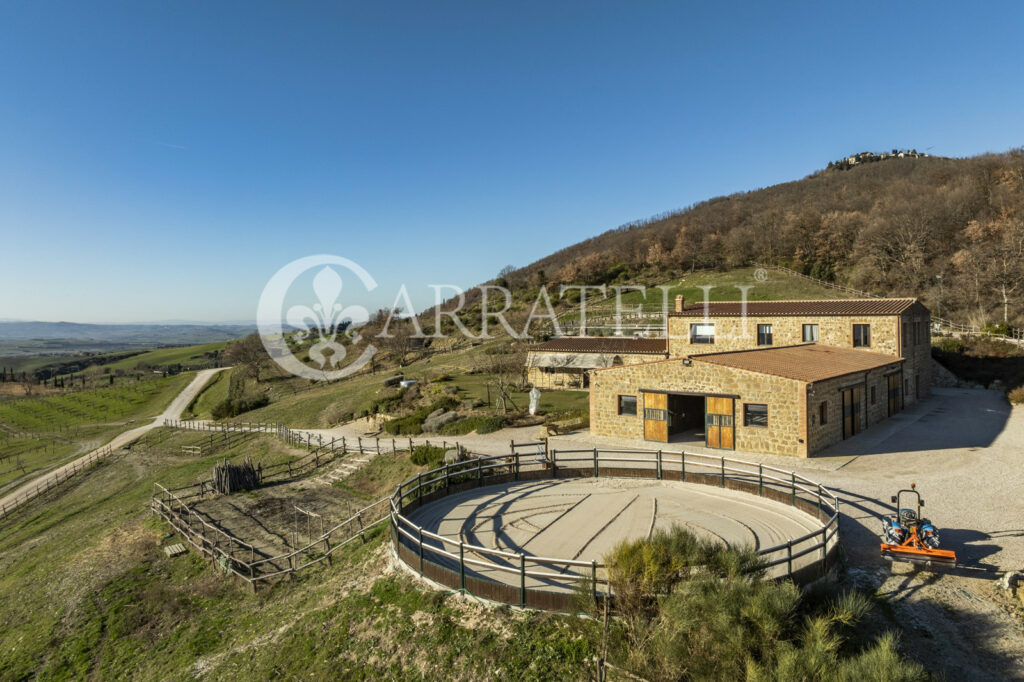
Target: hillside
column 889, row 228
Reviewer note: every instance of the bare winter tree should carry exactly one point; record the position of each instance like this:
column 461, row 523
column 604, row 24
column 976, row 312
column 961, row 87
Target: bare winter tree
column 394, row 334
column 508, row 371
column 250, row 354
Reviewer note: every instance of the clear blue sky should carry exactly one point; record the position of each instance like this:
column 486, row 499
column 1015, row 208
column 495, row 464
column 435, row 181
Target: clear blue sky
column 161, row 160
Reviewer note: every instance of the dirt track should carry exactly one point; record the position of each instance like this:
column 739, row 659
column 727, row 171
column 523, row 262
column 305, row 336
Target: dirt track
column 173, row 411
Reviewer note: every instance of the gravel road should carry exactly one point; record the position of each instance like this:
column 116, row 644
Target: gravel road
column 173, row 411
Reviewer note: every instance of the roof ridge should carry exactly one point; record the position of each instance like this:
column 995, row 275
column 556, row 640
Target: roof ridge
column 810, row 300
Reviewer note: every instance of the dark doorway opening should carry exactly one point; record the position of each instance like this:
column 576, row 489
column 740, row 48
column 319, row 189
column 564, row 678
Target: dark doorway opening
column 686, row 418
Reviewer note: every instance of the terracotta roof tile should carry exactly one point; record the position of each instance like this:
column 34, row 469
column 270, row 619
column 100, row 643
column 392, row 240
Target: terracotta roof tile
column 849, row 306
column 807, row 362
column 609, row 344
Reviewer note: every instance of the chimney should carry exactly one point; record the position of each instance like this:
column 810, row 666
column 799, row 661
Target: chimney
column 680, row 302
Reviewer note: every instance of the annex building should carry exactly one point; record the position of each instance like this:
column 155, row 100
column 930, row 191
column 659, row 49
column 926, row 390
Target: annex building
column 778, row 377
column 563, row 363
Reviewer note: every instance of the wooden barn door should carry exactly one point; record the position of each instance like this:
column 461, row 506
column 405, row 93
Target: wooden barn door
column 656, row 417
column 718, row 421
column 894, row 393
column 851, row 410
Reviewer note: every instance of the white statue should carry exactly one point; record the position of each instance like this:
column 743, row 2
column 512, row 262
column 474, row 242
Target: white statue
column 534, row 399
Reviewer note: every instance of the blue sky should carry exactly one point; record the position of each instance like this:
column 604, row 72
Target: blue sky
column 161, row 160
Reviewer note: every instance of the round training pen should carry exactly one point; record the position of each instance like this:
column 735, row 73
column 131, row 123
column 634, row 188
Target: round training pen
column 529, row 529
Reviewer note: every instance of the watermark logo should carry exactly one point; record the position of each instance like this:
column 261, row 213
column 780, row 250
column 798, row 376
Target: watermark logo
column 321, row 316
column 306, row 315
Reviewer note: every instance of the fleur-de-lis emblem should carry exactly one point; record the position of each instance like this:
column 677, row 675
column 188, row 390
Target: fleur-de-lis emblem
column 327, row 318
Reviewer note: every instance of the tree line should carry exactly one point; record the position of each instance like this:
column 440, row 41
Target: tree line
column 891, row 228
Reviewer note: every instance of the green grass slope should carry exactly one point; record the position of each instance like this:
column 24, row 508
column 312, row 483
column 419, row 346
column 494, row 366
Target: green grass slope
column 97, row 598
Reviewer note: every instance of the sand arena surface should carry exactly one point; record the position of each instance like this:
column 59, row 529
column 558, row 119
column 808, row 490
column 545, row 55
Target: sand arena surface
column 583, row 519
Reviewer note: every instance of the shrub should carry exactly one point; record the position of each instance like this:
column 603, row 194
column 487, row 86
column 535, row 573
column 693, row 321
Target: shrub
column 405, row 426
column 478, row 424
column 950, row 345
column 412, row 424
column 446, row 403
column 232, row 407
column 690, row 608
column 1016, row 396
column 1000, row 329
column 427, row 455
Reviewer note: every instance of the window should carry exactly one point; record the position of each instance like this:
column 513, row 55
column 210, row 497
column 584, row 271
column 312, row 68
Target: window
column 755, row 415
column 810, row 332
column 872, row 395
column 702, row 333
column 764, row 335
column 861, row 335
column 823, row 412
column 627, row 405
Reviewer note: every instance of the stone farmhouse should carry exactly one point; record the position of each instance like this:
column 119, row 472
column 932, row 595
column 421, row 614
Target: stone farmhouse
column 563, row 363
column 777, row 377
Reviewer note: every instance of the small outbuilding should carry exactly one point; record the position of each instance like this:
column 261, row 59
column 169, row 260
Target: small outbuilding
column 563, row 363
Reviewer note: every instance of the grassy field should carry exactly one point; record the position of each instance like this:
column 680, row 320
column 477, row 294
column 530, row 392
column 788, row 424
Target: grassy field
column 106, row 603
column 162, row 357
column 103, row 405
column 38, row 434
column 215, row 391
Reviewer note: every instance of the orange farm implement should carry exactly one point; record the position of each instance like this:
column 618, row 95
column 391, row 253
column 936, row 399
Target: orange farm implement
column 907, row 536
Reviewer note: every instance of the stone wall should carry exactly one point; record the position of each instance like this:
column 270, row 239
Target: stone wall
column 786, row 400
column 820, row 435
column 917, row 369
column 737, row 333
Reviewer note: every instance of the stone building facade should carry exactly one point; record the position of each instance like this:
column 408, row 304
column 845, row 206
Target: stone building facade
column 895, row 326
column 788, row 377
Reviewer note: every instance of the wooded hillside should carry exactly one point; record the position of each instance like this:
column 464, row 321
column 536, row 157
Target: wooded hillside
column 889, row 228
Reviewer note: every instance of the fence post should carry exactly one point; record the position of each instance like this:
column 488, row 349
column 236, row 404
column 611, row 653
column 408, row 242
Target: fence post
column 515, row 465
column 420, row 530
column 378, row 445
column 522, row 580
column 360, row 444
column 760, row 479
column 659, row 464
column 723, row 472
column 819, row 502
column 462, row 565
column 596, row 474
column 419, row 489
column 789, row 558
column 792, row 489
column 447, row 484
column 593, row 578
column 824, row 549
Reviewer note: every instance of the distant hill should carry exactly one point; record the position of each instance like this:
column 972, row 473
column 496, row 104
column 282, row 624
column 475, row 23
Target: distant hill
column 106, row 336
column 890, row 228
